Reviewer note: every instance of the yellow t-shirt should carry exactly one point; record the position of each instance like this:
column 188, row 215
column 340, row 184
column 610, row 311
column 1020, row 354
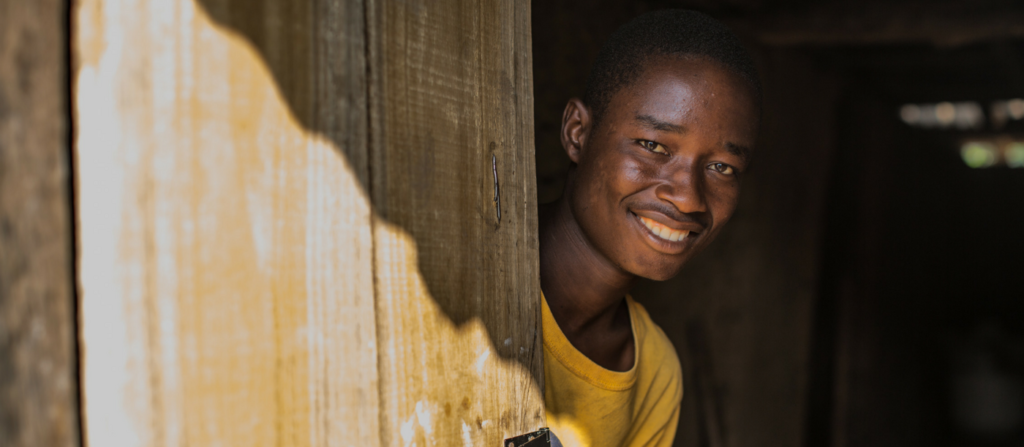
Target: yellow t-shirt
column 590, row 406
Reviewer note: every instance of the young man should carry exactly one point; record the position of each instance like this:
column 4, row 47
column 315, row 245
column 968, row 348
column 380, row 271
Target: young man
column 658, row 145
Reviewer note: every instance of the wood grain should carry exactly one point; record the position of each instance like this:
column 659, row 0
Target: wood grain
column 226, row 250
column 452, row 105
column 289, row 232
column 38, row 386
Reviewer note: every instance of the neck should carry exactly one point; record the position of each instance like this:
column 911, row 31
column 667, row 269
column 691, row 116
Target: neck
column 583, row 288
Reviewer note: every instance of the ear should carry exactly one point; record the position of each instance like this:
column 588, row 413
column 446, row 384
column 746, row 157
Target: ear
column 576, row 125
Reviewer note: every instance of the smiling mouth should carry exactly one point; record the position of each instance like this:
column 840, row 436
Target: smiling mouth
column 663, row 232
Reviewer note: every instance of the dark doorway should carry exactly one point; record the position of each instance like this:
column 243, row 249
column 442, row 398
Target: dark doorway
column 869, row 289
column 922, row 258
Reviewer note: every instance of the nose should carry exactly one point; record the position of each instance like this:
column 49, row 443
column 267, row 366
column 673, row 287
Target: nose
column 683, row 185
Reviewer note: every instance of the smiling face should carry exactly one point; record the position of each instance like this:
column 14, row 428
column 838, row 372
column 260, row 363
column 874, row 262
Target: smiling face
column 659, row 175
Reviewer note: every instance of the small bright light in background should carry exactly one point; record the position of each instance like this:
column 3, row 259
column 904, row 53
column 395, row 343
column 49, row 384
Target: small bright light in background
column 1016, row 108
column 978, row 154
column 910, row 113
column 1000, row 150
column 1002, row 111
column 962, row 115
column 1014, row 155
column 980, row 151
column 945, row 112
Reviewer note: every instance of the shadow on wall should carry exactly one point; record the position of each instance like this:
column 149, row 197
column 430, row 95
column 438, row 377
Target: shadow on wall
column 272, row 232
column 431, row 171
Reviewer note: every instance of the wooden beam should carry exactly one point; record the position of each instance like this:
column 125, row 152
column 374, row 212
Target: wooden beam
column 38, row 373
column 943, row 23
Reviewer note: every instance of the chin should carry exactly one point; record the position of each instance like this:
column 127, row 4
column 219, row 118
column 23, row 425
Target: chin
column 662, row 276
column 662, row 272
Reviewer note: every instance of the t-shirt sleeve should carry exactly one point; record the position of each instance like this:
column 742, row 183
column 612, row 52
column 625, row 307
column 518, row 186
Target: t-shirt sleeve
column 658, row 415
column 659, row 427
column 667, row 433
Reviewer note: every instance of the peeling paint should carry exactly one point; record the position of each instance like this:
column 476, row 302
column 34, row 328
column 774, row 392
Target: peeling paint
column 408, row 431
column 480, row 361
column 424, row 417
column 270, row 337
column 467, row 437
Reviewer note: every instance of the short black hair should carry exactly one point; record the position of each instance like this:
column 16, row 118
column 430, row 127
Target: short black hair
column 667, row 32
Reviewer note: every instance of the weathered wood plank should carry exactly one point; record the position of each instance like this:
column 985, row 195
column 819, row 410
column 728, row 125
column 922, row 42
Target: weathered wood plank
column 226, row 248
column 458, row 312
column 38, row 375
column 239, row 287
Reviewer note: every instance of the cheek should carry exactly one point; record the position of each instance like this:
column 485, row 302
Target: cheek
column 628, row 173
column 615, row 176
column 722, row 200
column 641, row 173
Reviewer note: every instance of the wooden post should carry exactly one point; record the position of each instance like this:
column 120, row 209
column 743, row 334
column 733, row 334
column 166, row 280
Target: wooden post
column 289, row 222
column 453, row 112
column 38, row 373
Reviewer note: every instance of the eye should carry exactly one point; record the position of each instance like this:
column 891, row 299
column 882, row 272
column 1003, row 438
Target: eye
column 652, row 146
column 722, row 168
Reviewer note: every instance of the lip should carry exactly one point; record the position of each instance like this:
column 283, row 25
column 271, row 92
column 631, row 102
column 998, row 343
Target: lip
column 659, row 243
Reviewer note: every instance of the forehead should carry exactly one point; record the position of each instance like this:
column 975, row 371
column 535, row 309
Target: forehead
column 688, row 92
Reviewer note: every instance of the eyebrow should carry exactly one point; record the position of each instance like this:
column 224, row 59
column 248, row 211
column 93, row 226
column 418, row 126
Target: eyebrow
column 739, row 151
column 656, row 124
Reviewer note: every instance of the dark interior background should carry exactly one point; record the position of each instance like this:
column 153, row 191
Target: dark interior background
column 870, row 288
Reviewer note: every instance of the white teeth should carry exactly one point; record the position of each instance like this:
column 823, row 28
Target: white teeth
column 663, row 231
